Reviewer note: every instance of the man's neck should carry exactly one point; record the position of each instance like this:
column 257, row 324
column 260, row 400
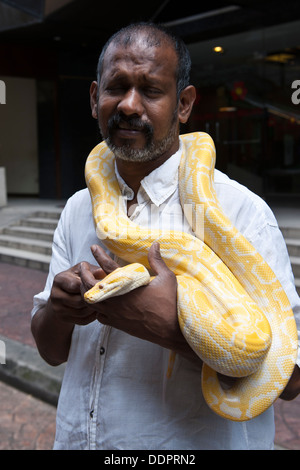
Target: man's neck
column 133, row 172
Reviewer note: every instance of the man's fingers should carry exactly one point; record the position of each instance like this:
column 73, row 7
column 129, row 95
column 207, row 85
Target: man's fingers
column 103, row 259
column 90, row 275
column 68, row 281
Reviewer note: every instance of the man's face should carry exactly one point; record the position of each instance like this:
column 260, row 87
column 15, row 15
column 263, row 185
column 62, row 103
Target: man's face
column 137, row 105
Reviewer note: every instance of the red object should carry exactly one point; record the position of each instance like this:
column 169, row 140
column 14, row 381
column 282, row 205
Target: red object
column 239, row 91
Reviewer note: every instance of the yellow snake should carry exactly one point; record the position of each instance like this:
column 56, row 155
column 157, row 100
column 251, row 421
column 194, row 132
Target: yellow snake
column 232, row 310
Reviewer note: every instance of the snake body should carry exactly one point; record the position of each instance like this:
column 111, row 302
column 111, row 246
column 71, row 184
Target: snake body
column 232, row 310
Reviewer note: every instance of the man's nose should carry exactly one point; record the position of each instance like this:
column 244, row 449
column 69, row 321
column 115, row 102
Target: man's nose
column 131, row 103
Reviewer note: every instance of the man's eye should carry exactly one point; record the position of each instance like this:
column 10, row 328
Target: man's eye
column 115, row 89
column 152, row 92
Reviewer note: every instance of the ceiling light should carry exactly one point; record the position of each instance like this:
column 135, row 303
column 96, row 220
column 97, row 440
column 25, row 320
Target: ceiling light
column 227, row 109
column 218, row 49
column 281, row 57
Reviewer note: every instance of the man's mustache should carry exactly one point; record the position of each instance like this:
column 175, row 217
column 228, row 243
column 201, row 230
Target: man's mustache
column 129, row 122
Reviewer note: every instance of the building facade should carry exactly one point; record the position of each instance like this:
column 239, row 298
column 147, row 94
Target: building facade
column 246, row 68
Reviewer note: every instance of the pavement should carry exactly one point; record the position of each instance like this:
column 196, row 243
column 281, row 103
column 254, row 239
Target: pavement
column 29, row 388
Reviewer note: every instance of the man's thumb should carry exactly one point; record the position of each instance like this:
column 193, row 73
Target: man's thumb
column 156, row 262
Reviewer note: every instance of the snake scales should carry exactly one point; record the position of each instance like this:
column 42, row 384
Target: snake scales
column 232, row 309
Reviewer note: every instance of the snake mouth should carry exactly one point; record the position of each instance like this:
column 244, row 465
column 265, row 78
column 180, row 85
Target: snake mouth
column 101, row 291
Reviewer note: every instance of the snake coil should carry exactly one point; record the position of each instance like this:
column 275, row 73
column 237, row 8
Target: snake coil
column 232, row 310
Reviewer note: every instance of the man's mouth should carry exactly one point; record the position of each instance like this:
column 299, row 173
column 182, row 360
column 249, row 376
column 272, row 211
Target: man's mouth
column 129, row 127
column 131, row 123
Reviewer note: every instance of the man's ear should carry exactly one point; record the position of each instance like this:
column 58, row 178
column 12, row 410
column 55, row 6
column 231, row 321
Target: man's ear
column 94, row 99
column 186, row 101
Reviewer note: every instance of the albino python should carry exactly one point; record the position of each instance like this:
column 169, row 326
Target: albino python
column 232, row 310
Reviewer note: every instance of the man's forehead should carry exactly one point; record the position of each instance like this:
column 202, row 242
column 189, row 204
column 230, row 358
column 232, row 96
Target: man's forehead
column 143, row 37
column 140, row 49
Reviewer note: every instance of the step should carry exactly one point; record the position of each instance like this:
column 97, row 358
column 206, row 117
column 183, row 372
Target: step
column 293, row 246
column 26, row 370
column 25, row 258
column 295, row 262
column 27, row 244
column 29, row 232
column 290, row 232
column 39, row 222
column 297, row 284
column 44, row 214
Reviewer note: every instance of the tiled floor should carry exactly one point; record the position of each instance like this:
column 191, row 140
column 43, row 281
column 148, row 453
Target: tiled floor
column 29, row 423
column 25, row 422
column 287, row 420
column 17, row 287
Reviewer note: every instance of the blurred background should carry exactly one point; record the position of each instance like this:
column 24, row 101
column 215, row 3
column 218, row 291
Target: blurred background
column 246, row 68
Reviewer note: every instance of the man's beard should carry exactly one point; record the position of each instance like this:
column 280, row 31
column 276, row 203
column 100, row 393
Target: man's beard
column 151, row 150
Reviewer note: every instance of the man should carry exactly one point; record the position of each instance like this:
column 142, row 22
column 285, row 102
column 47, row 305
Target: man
column 115, row 394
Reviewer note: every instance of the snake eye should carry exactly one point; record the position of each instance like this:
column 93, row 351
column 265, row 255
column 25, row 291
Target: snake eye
column 100, row 286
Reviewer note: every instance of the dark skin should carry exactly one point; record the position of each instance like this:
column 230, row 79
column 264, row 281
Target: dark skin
column 136, row 81
column 141, row 316
column 143, row 85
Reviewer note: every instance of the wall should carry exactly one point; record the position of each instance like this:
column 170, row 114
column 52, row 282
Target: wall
column 18, row 136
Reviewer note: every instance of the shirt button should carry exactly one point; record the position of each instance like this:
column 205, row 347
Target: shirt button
column 102, row 351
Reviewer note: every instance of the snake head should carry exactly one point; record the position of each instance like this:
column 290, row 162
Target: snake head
column 120, row 281
column 102, row 290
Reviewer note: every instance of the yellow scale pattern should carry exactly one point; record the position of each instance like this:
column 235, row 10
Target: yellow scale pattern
column 232, row 310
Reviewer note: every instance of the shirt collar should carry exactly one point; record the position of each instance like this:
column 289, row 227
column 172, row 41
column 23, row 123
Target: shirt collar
column 159, row 184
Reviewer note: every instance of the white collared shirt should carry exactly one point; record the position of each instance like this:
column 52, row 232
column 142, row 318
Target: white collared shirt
column 115, row 394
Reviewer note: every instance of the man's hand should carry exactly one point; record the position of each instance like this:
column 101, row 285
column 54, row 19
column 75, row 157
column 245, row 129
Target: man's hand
column 293, row 387
column 148, row 312
column 66, row 301
column 52, row 325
